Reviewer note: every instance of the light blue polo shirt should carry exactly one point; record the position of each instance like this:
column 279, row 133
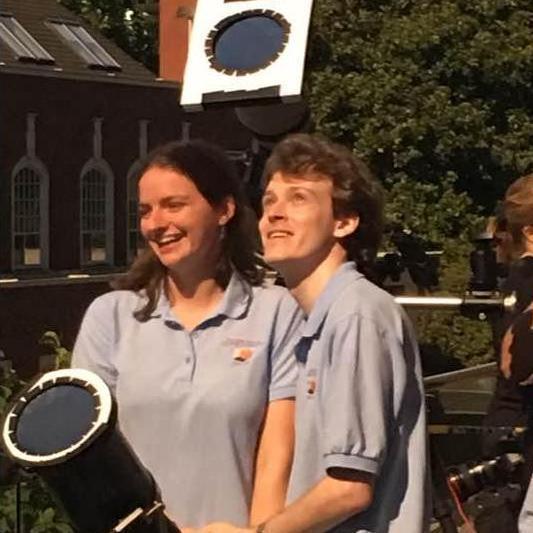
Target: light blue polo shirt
column 191, row 403
column 360, row 403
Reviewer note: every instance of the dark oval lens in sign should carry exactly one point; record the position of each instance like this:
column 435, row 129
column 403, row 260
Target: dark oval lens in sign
column 249, row 43
column 55, row 420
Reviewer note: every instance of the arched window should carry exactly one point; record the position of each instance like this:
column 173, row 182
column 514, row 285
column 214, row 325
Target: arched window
column 135, row 239
column 96, row 215
column 30, row 216
column 135, row 242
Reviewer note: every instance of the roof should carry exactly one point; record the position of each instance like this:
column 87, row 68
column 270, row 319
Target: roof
column 35, row 16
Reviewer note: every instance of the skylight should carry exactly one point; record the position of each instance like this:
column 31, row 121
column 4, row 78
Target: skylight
column 83, row 43
column 25, row 47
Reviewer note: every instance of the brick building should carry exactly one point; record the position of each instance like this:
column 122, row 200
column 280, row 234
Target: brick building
column 77, row 115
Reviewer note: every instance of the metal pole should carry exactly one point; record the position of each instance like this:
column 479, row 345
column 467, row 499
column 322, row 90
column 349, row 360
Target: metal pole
column 453, row 302
column 486, row 369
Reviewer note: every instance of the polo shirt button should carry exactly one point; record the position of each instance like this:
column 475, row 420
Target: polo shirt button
column 187, row 360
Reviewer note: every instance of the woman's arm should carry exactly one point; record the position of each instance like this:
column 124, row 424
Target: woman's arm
column 328, row 503
column 505, row 354
column 273, row 461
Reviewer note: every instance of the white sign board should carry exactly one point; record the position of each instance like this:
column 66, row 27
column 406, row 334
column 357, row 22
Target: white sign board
column 246, row 50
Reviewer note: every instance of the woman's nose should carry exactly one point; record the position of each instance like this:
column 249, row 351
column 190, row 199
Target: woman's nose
column 154, row 220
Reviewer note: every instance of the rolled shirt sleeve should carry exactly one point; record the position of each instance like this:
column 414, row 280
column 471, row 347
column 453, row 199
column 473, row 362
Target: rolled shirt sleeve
column 356, row 396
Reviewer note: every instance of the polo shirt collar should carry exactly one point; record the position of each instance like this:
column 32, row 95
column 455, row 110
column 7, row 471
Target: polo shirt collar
column 236, row 299
column 234, row 303
column 345, row 274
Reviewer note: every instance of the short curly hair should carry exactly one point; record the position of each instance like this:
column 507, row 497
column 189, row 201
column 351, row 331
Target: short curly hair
column 355, row 190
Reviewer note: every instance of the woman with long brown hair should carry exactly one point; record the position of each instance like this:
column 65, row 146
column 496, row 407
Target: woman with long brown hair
column 196, row 349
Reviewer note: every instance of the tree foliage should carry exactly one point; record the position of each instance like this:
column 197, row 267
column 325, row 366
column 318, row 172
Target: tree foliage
column 40, row 513
column 427, row 88
column 131, row 24
column 438, row 96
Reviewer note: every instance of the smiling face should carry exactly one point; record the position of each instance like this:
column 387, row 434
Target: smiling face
column 298, row 227
column 178, row 223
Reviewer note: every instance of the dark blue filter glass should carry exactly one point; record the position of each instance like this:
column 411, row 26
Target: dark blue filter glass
column 249, row 43
column 55, row 420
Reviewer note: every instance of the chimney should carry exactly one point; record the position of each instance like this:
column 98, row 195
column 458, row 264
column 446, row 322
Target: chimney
column 175, row 21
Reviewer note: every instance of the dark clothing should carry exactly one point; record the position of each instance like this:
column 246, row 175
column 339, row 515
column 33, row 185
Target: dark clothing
column 521, row 280
column 512, row 404
column 507, row 407
column 522, row 350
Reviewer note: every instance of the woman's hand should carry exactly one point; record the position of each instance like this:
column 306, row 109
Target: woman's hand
column 273, row 461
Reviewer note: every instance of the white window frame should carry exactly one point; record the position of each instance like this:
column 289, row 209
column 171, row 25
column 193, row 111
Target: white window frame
column 101, row 166
column 39, row 169
column 132, row 182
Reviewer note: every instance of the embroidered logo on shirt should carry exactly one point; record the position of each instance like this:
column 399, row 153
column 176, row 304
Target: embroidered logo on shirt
column 311, row 382
column 242, row 354
column 236, row 342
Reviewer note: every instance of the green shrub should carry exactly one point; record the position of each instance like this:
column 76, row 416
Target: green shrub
column 40, row 513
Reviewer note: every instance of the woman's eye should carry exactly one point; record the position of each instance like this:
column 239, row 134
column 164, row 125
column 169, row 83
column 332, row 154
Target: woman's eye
column 175, row 206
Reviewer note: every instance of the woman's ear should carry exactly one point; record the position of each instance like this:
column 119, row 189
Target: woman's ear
column 527, row 231
column 227, row 210
column 345, row 226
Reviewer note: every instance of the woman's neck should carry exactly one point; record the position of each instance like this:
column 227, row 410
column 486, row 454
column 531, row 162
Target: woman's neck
column 193, row 298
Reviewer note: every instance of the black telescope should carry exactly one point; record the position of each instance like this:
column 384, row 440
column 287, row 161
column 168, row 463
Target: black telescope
column 63, row 427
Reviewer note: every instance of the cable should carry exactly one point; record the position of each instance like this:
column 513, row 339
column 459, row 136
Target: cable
column 470, row 526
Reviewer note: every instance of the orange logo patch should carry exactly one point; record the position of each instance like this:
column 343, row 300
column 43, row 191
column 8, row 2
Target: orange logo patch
column 242, row 354
column 311, row 382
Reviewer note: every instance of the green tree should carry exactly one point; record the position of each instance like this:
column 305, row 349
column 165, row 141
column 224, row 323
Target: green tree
column 424, row 88
column 438, row 97
column 40, row 512
column 51, row 343
column 131, row 24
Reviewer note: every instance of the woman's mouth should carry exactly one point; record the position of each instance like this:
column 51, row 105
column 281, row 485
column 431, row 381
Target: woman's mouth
column 168, row 240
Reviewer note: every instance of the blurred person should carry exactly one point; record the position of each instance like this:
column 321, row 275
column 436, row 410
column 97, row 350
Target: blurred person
column 197, row 351
column 360, row 461
column 512, row 404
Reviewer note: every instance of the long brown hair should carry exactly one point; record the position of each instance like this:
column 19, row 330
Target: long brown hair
column 214, row 176
column 355, row 190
